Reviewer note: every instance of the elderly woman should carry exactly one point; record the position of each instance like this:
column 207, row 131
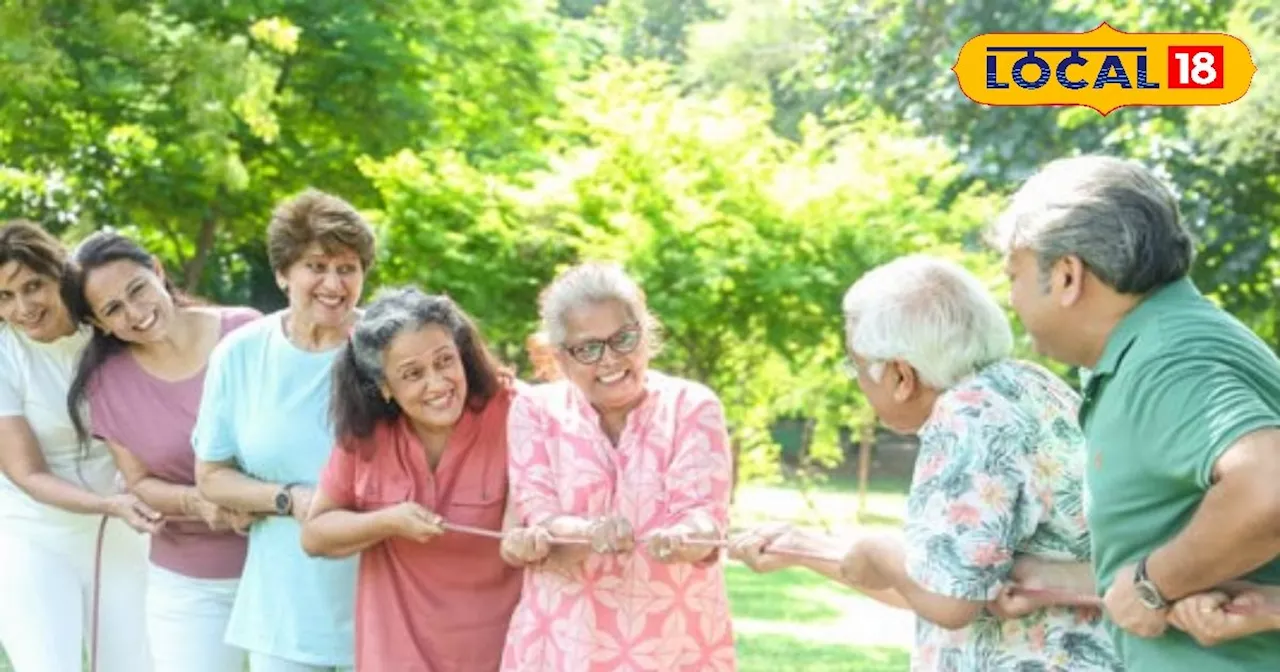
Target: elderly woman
column 634, row 460
column 420, row 410
column 263, row 437
column 58, row 500
column 999, row 473
column 147, row 359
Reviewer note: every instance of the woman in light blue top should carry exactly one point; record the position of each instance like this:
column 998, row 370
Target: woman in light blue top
column 263, row 437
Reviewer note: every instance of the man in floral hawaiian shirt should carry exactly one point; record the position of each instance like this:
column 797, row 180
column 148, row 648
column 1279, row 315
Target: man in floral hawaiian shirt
column 999, row 473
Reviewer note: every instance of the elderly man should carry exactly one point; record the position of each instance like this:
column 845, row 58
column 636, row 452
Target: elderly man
column 999, row 473
column 1181, row 413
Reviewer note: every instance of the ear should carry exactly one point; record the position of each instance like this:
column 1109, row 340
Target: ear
column 386, row 391
column 282, row 282
column 157, row 267
column 906, row 382
column 97, row 324
column 1068, row 275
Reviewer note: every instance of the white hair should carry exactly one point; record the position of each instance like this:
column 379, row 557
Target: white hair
column 930, row 313
column 591, row 283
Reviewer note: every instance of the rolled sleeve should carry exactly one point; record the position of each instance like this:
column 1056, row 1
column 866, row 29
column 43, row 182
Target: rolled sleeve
column 530, row 469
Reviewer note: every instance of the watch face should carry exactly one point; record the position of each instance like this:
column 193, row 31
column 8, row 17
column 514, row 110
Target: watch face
column 1148, row 596
column 282, row 502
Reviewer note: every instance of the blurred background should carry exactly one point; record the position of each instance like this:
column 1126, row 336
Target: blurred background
column 746, row 159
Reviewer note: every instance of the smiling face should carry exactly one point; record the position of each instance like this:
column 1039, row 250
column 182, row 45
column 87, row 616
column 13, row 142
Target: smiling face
column 607, row 330
column 129, row 301
column 324, row 288
column 423, row 372
column 30, row 302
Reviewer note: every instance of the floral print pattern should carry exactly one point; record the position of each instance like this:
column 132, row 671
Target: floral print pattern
column 1000, row 472
column 628, row 612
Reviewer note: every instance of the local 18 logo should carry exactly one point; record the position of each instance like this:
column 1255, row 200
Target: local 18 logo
column 1104, row 69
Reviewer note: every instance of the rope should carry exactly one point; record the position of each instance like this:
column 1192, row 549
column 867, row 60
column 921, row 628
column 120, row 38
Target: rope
column 575, row 541
column 97, row 592
column 1057, row 597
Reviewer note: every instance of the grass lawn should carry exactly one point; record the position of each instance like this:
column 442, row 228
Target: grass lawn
column 796, row 620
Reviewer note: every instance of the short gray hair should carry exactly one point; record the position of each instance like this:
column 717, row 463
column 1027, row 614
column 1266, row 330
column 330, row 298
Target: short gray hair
column 1115, row 215
column 591, row 283
column 930, row 313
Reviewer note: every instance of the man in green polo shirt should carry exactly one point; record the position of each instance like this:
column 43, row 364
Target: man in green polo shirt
column 1181, row 414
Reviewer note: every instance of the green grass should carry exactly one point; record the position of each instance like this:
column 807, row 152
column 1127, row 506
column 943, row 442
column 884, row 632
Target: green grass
column 797, row 620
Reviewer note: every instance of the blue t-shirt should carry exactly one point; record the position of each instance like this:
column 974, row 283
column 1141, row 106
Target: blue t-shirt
column 265, row 406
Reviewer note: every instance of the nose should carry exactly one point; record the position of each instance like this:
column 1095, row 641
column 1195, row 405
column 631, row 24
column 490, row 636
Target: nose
column 133, row 311
column 332, row 281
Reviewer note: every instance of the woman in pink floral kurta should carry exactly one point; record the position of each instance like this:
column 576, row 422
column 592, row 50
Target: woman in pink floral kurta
column 632, row 457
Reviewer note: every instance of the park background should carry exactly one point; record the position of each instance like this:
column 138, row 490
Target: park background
column 745, row 159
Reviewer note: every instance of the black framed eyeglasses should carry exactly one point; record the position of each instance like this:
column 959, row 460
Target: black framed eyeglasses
column 623, row 341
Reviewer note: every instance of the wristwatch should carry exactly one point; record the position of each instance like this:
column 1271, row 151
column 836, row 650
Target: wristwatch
column 284, row 500
column 1148, row 594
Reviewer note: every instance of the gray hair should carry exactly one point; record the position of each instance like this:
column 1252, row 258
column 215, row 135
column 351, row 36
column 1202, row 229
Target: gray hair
column 357, row 404
column 1114, row 214
column 592, row 283
column 931, row 314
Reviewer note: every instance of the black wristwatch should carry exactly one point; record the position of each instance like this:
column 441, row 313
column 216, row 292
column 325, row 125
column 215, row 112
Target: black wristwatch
column 1148, row 594
column 284, row 500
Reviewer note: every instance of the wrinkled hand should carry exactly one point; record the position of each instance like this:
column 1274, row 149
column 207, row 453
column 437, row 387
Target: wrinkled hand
column 412, row 521
column 1010, row 603
column 612, row 534
column 1204, row 616
column 237, row 521
column 525, row 546
column 679, row 544
column 751, row 548
column 135, row 513
column 301, row 502
column 1127, row 611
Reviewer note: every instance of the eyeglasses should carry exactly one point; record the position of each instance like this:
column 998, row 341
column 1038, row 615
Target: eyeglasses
column 624, row 341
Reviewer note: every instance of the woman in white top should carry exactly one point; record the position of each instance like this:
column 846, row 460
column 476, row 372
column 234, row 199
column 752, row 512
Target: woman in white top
column 61, row 515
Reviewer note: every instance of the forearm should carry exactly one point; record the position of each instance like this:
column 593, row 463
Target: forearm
column 231, row 489
column 52, row 490
column 1228, row 537
column 170, row 499
column 340, row 533
column 887, row 557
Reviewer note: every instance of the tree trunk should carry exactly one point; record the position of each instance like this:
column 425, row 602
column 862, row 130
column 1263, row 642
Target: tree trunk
column 204, row 246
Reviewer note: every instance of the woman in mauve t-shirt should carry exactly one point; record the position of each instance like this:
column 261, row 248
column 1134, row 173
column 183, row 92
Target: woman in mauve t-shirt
column 142, row 375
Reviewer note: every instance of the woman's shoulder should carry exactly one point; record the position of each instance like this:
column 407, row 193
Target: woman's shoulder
column 235, row 317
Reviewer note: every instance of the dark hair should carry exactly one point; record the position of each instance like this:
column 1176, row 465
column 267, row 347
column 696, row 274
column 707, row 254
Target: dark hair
column 28, row 244
column 316, row 217
column 358, row 405
column 96, row 251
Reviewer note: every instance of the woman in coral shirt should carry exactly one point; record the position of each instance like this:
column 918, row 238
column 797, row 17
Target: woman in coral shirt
column 420, row 414
column 634, row 460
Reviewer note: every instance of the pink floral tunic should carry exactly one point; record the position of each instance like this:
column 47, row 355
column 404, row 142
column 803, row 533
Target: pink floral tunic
column 625, row 612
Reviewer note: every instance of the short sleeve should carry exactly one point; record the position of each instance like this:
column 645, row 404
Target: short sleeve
column 99, row 411
column 967, row 511
column 10, row 397
column 337, row 479
column 214, row 437
column 236, row 317
column 1193, row 411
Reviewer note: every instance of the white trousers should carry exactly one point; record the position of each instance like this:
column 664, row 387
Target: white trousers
column 259, row 662
column 187, row 623
column 46, row 580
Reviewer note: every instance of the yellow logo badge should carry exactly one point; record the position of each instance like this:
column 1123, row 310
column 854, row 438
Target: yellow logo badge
column 1104, row 69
